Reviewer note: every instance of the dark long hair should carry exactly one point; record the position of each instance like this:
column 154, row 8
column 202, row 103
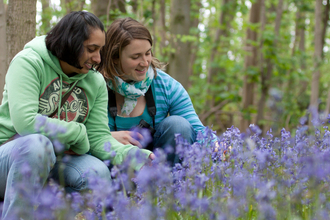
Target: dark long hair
column 65, row 40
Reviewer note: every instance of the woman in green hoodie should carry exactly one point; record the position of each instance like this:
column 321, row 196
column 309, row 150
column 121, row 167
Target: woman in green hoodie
column 54, row 101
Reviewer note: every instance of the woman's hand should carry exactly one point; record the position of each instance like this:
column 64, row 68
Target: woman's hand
column 127, row 137
column 152, row 156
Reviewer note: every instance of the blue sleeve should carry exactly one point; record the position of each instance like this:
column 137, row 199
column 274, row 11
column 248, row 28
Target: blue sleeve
column 180, row 104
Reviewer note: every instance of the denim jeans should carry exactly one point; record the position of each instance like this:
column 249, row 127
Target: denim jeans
column 165, row 135
column 25, row 165
column 76, row 170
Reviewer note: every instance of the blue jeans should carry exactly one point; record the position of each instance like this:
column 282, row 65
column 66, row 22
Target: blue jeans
column 25, row 165
column 165, row 134
column 75, row 171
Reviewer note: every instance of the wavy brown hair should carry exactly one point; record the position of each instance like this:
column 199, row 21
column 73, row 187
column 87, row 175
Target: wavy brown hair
column 120, row 34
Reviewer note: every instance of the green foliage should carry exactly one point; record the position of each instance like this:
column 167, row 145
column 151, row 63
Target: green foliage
column 292, row 68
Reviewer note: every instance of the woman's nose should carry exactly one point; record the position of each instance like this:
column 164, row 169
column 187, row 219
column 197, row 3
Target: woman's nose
column 97, row 58
column 144, row 62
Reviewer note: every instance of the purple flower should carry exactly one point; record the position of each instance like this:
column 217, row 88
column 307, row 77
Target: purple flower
column 107, row 162
column 255, row 129
column 26, row 170
column 147, row 138
column 40, row 122
column 107, row 146
column 58, row 146
column 200, row 180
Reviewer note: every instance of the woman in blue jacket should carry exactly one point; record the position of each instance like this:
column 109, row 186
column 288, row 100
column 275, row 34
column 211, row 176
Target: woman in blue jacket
column 131, row 71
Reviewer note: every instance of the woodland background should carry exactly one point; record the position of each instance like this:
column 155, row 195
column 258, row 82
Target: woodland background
column 242, row 61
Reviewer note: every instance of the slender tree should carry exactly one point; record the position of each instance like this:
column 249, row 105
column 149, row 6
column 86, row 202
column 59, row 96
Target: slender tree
column 266, row 73
column 108, row 10
column 21, row 25
column 134, row 4
column 72, row 5
column 228, row 8
column 100, row 7
column 298, row 58
column 317, row 55
column 179, row 27
column 325, row 20
column 121, row 5
column 154, row 27
column 46, row 16
column 250, row 65
column 195, row 20
column 324, row 30
column 3, row 47
column 161, row 29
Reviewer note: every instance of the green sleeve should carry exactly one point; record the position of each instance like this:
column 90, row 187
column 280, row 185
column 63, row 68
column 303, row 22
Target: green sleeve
column 99, row 133
column 23, row 82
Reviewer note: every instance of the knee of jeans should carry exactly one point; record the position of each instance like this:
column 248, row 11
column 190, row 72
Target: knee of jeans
column 37, row 148
column 101, row 171
column 78, row 181
column 178, row 124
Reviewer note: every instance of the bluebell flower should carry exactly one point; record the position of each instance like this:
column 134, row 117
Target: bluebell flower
column 40, row 122
column 107, row 162
column 58, row 146
column 255, row 129
column 107, row 146
column 200, row 180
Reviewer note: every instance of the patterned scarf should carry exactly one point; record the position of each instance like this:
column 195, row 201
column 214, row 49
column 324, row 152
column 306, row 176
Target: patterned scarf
column 132, row 91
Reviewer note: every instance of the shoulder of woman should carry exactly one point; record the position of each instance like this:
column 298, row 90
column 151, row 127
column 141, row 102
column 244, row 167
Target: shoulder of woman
column 28, row 55
column 95, row 76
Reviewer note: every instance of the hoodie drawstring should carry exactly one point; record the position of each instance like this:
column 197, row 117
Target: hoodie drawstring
column 60, row 99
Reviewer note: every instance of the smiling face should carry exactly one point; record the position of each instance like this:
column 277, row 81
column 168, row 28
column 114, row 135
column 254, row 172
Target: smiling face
column 91, row 54
column 135, row 60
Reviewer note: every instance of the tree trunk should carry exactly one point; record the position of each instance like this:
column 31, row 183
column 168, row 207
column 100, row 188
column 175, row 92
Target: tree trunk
column 195, row 45
column 250, row 62
column 154, row 28
column 219, row 32
column 162, row 26
column 296, row 89
column 134, row 5
column 179, row 26
column 302, row 49
column 299, row 23
column 121, row 5
column 46, row 16
column 21, row 25
column 72, row 5
column 317, row 55
column 226, row 16
column 266, row 76
column 99, row 7
column 3, row 47
column 103, row 8
column 324, row 30
column 325, row 20
column 297, row 29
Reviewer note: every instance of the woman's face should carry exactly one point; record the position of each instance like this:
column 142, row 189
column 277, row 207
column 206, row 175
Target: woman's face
column 91, row 54
column 92, row 48
column 135, row 60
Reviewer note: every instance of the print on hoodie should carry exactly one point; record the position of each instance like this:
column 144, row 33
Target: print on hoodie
column 76, row 106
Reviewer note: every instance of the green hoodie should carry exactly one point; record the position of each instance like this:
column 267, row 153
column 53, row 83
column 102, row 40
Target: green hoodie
column 33, row 83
